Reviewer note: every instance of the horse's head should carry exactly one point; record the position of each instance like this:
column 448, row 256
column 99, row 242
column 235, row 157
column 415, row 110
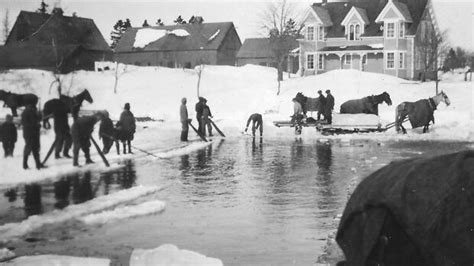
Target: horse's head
column 386, row 98
column 87, row 96
column 444, row 98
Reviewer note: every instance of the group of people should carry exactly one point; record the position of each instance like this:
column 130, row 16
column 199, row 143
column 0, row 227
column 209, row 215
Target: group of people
column 203, row 116
column 78, row 136
column 325, row 108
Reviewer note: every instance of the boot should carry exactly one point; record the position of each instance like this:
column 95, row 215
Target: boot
column 130, row 147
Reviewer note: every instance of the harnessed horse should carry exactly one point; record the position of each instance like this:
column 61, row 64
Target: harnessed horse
column 13, row 100
column 73, row 103
column 366, row 105
column 420, row 113
column 308, row 104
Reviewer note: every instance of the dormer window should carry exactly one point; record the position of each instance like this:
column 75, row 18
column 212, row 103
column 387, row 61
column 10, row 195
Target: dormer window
column 401, row 30
column 310, row 33
column 390, row 32
column 354, row 32
column 321, row 33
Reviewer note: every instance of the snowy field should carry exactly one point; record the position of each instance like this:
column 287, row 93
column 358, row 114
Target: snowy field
column 233, row 94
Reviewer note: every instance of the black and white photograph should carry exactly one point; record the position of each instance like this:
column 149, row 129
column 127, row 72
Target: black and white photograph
column 237, row 132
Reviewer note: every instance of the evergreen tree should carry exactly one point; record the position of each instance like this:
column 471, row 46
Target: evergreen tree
column 449, row 62
column 43, row 8
column 119, row 28
column 160, row 22
column 145, row 24
column 179, row 20
column 196, row 20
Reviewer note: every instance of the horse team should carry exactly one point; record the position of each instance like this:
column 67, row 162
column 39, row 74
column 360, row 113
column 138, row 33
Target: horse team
column 78, row 135
column 419, row 113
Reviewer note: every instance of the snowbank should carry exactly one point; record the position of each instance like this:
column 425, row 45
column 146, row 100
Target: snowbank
column 13, row 230
column 170, row 255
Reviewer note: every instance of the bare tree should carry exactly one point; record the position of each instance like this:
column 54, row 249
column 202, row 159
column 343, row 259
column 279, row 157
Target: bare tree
column 118, row 74
column 279, row 23
column 431, row 47
column 6, row 25
column 199, row 69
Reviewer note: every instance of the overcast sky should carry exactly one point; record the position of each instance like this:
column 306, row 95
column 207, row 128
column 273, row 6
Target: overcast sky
column 454, row 15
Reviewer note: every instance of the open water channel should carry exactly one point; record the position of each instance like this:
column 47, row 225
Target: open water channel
column 243, row 201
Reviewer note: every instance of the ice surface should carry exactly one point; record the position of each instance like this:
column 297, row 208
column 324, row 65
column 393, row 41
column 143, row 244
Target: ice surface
column 14, row 230
column 170, row 255
column 57, row 260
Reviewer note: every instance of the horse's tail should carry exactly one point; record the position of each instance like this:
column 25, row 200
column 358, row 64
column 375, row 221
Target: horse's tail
column 398, row 115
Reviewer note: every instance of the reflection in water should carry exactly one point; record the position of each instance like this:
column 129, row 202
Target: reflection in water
column 33, row 199
column 81, row 188
column 62, row 188
column 127, row 176
column 324, row 177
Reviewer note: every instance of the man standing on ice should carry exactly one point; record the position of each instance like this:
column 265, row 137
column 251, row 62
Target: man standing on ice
column 127, row 127
column 199, row 109
column 322, row 104
column 206, row 119
column 8, row 135
column 329, row 107
column 257, row 123
column 61, row 130
column 30, row 121
column 81, row 132
column 183, row 113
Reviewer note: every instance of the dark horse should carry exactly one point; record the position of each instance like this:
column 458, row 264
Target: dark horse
column 366, row 105
column 14, row 100
column 420, row 113
column 308, row 104
column 74, row 103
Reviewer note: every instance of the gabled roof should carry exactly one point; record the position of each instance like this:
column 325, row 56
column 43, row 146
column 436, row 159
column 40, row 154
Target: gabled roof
column 400, row 8
column 359, row 12
column 41, row 29
column 36, row 56
column 323, row 15
column 337, row 11
column 255, row 48
column 205, row 36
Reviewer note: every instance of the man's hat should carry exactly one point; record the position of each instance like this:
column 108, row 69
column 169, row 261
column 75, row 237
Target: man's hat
column 319, row 91
column 328, row 91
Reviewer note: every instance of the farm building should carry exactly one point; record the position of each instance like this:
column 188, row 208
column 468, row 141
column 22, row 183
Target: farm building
column 176, row 46
column 257, row 51
column 53, row 42
column 383, row 36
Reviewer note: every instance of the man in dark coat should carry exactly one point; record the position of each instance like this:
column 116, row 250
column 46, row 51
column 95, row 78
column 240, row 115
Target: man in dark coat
column 126, row 127
column 257, row 123
column 322, row 104
column 8, row 135
column 329, row 107
column 183, row 114
column 30, row 121
column 62, row 130
column 107, row 133
column 199, row 108
column 206, row 119
column 81, row 132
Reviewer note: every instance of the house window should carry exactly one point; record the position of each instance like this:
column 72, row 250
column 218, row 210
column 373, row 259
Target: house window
column 321, row 33
column 354, row 32
column 310, row 61
column 390, row 60
column 351, row 32
column 320, row 62
column 390, row 30
column 263, row 64
column 348, row 59
column 357, row 32
column 402, row 30
column 401, row 61
column 310, row 33
column 364, row 59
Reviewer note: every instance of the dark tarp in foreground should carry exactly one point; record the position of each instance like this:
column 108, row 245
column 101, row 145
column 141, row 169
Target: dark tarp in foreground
column 412, row 212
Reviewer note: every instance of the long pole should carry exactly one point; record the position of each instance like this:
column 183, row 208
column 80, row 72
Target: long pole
column 49, row 152
column 215, row 126
column 100, row 152
column 199, row 133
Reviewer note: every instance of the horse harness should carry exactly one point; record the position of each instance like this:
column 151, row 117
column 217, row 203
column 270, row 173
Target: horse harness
column 432, row 104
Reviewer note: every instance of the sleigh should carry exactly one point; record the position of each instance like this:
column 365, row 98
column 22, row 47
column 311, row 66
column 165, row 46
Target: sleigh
column 342, row 124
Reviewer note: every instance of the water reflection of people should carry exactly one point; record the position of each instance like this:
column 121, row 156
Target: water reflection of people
column 184, row 163
column 82, row 188
column 62, row 188
column 324, row 163
column 127, row 175
column 32, row 199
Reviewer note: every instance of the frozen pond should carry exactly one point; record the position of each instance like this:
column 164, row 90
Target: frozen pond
column 241, row 201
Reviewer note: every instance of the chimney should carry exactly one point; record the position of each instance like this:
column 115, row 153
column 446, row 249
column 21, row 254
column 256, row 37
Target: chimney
column 58, row 11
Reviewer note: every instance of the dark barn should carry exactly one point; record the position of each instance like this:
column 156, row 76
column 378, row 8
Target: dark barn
column 180, row 46
column 53, row 42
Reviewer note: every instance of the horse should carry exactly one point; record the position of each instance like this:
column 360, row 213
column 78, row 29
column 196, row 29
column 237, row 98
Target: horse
column 50, row 107
column 420, row 113
column 366, row 105
column 75, row 102
column 308, row 104
column 13, row 100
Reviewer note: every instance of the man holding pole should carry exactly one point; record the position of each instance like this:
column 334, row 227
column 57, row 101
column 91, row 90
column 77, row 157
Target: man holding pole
column 183, row 113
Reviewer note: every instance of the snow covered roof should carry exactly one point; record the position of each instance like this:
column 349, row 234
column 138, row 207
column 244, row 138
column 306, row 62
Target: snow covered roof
column 205, row 36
